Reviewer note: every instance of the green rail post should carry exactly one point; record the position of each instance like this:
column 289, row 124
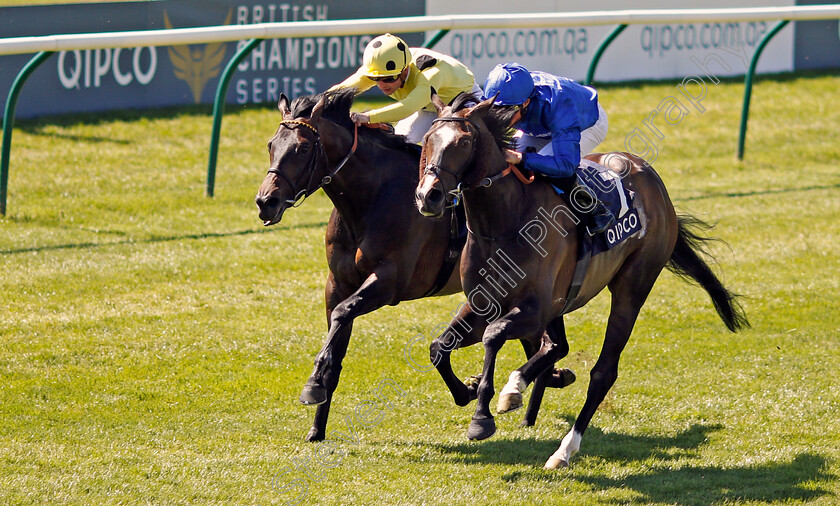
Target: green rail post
column 219, row 109
column 748, row 82
column 590, row 74
column 429, row 44
column 9, row 122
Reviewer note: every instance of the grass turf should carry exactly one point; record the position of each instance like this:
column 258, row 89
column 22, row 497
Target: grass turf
column 153, row 342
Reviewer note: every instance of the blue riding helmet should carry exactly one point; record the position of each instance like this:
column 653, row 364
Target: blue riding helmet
column 512, row 82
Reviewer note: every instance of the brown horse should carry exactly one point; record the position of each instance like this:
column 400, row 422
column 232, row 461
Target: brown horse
column 519, row 261
column 379, row 249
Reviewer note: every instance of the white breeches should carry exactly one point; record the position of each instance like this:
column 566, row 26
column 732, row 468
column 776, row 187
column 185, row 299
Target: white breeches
column 415, row 126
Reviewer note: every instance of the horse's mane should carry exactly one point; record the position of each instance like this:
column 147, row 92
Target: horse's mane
column 497, row 119
column 337, row 110
column 463, row 101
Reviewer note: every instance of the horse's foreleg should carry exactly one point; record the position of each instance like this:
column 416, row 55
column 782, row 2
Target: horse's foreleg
column 535, row 400
column 510, row 398
column 318, row 432
column 376, row 291
column 512, row 393
column 515, row 325
column 330, row 378
column 464, row 330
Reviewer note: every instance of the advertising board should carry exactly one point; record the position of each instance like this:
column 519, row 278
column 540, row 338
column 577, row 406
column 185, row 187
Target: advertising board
column 141, row 77
column 651, row 51
column 145, row 77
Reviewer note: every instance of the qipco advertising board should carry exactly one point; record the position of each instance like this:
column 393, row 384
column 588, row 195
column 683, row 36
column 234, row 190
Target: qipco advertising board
column 643, row 51
column 143, row 77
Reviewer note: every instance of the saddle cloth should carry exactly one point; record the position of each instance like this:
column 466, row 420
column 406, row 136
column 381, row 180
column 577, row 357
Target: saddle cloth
column 606, row 186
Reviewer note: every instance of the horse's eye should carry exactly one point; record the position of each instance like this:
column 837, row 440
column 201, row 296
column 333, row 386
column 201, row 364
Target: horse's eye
column 303, row 149
column 464, row 141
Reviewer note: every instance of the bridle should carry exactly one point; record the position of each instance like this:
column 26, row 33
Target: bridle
column 454, row 195
column 313, row 163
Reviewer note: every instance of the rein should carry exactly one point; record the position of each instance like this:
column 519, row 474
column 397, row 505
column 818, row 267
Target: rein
column 435, row 169
column 313, row 163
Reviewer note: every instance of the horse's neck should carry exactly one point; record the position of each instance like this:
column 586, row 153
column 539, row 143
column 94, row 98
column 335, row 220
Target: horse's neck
column 495, row 210
column 498, row 210
column 353, row 188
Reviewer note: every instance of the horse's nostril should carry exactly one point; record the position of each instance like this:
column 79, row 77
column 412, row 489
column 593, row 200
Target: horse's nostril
column 267, row 202
column 434, row 196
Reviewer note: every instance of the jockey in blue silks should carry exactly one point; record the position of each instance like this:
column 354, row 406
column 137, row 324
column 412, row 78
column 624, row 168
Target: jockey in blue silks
column 558, row 121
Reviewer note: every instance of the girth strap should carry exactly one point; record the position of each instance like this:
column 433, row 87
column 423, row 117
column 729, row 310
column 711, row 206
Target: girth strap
column 452, row 257
column 581, row 267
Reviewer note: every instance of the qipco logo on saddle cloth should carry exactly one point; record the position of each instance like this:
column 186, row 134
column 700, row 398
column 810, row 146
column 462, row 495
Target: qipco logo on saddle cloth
column 625, row 226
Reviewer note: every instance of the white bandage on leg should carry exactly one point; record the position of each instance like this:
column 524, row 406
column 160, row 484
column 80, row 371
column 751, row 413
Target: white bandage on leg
column 515, row 385
column 564, row 454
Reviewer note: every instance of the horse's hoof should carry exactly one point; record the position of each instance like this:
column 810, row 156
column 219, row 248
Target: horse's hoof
column 313, row 395
column 481, row 428
column 555, row 463
column 561, row 378
column 315, row 435
column 508, row 403
column 472, row 388
column 473, row 381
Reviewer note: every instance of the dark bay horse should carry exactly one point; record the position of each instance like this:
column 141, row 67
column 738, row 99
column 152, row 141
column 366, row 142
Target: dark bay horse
column 517, row 285
column 380, row 250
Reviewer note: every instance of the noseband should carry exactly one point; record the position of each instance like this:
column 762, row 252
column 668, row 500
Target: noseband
column 313, row 163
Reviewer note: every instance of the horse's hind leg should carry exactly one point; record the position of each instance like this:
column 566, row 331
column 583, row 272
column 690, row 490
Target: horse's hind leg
column 630, row 288
column 540, row 369
column 464, row 330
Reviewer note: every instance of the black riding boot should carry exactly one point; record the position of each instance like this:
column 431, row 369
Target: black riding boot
column 592, row 211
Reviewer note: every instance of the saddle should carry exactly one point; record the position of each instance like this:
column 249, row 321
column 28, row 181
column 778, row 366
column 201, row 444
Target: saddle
column 606, row 186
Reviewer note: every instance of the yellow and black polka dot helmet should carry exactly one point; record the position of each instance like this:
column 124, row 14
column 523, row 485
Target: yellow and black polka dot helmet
column 386, row 55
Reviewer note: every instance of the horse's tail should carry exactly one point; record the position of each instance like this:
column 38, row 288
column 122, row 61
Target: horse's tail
column 687, row 262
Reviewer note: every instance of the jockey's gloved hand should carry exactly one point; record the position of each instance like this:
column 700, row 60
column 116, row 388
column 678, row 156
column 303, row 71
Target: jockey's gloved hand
column 359, row 118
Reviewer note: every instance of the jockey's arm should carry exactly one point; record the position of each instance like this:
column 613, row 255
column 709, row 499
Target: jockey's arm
column 565, row 143
column 562, row 163
column 417, row 98
column 361, row 82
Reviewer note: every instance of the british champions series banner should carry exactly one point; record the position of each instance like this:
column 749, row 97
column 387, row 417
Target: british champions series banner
column 145, row 77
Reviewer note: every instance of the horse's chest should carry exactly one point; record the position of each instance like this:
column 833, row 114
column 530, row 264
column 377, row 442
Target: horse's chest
column 363, row 262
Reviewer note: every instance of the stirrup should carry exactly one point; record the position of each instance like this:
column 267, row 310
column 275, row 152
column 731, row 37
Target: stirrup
column 600, row 220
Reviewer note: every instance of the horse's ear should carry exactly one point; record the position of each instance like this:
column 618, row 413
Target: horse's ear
column 319, row 108
column 283, row 105
column 439, row 105
column 481, row 109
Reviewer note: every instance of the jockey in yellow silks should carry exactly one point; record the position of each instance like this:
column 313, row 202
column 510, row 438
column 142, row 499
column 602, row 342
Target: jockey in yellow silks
column 408, row 75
